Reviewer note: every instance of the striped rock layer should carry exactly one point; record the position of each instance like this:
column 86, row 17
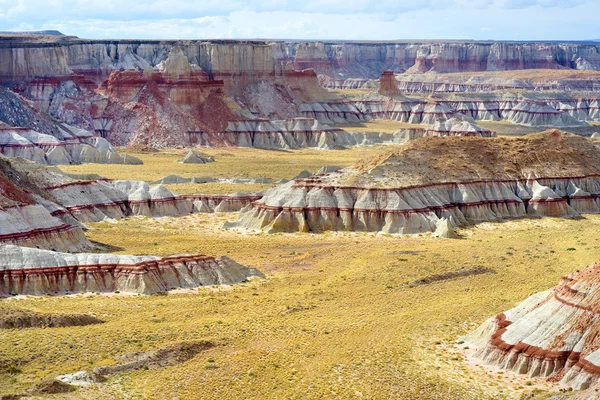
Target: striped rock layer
column 529, row 109
column 552, row 334
column 413, row 189
column 46, row 149
column 40, row 224
column 28, row 271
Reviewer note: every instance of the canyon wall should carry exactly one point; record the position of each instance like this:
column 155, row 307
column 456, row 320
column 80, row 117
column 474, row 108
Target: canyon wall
column 22, row 59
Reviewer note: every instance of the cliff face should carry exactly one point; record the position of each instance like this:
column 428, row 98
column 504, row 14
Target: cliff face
column 228, row 58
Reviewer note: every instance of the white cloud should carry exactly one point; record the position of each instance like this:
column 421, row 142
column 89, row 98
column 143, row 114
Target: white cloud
column 309, row 19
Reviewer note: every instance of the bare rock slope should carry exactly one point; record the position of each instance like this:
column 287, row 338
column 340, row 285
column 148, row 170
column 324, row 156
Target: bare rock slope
column 552, row 334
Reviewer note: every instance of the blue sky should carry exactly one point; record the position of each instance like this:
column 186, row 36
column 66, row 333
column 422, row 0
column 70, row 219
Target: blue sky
column 309, row 19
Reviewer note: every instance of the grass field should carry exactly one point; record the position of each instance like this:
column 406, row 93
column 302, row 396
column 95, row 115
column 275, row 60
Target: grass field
column 233, row 162
column 336, row 317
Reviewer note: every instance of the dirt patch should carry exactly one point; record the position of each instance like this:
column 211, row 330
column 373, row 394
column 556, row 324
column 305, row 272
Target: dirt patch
column 49, row 386
column 462, row 272
column 161, row 358
column 17, row 319
column 12, row 365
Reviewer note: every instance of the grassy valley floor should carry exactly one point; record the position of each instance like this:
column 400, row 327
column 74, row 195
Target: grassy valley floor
column 340, row 315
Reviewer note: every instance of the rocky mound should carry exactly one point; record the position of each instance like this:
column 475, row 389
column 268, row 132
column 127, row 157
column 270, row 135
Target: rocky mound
column 458, row 126
column 192, row 158
column 552, row 334
column 38, row 272
column 15, row 319
column 413, row 189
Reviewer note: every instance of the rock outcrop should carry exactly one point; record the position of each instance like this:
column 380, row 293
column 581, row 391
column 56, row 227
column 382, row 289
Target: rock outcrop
column 458, row 126
column 39, row 223
column 388, row 85
column 462, row 179
column 38, row 272
column 557, row 110
column 213, row 93
column 46, row 149
column 552, row 334
column 192, row 158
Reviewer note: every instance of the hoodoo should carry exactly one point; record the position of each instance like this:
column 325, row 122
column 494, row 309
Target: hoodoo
column 461, row 179
column 388, row 85
column 552, row 334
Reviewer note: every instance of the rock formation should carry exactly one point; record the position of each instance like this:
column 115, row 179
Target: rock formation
column 192, row 158
column 188, row 93
column 473, row 82
column 457, row 126
column 461, row 179
column 552, row 334
column 38, row 272
column 531, row 109
column 45, row 149
column 388, row 85
column 41, row 210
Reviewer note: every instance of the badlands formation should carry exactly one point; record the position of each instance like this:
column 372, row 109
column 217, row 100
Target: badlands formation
column 552, row 334
column 42, row 212
column 431, row 181
column 326, row 321
column 273, row 94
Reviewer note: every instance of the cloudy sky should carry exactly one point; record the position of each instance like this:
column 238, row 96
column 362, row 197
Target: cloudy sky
column 309, row 19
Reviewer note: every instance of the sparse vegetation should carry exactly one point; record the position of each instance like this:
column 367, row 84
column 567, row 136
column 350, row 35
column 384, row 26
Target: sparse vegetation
column 334, row 318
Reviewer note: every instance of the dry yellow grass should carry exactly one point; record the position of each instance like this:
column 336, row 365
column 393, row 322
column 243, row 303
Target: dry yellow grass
column 216, row 188
column 234, row 162
column 335, row 319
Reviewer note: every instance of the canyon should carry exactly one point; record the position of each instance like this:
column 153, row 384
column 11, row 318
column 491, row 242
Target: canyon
column 350, row 208
column 252, row 93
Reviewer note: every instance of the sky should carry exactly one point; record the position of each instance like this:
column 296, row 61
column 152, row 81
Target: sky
column 308, row 19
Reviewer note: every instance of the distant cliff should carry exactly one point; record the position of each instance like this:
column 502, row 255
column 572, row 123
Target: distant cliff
column 23, row 57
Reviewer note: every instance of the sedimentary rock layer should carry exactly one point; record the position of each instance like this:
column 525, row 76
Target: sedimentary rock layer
column 460, row 179
column 37, row 272
column 551, row 334
column 45, row 149
column 63, row 56
column 92, row 201
column 28, row 214
column 543, row 110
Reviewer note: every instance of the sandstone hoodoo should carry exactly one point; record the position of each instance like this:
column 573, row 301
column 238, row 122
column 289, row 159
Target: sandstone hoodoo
column 462, row 179
column 552, row 334
column 388, row 85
